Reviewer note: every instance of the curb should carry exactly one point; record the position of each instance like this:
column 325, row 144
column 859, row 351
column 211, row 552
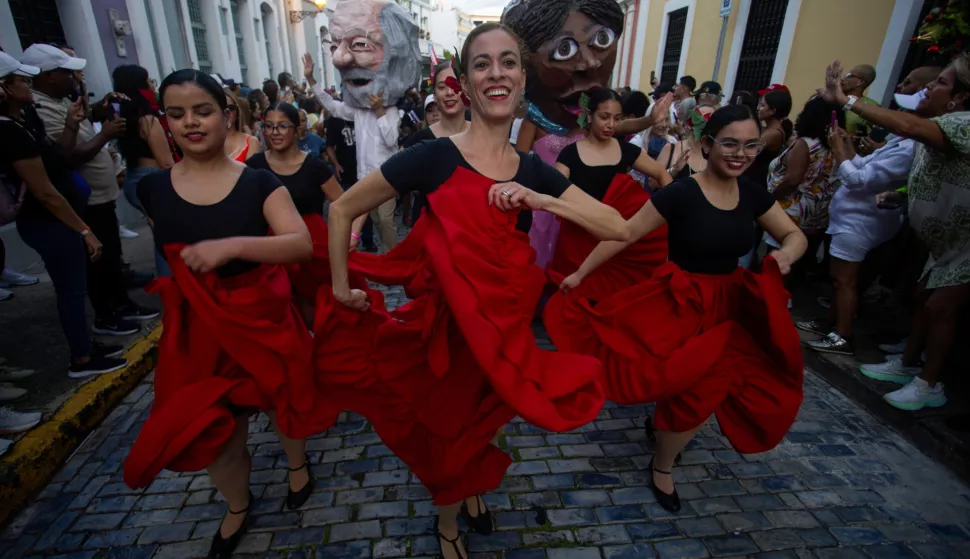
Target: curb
column 925, row 429
column 34, row 459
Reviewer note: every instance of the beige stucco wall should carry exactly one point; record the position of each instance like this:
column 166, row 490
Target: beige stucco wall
column 850, row 30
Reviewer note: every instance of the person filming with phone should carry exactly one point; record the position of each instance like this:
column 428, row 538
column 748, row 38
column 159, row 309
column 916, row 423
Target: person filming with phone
column 939, row 194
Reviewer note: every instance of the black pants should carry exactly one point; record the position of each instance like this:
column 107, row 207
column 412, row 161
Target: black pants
column 106, row 283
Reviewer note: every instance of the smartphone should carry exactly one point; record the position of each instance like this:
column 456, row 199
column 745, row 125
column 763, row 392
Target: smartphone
column 116, row 107
column 878, row 134
column 889, row 205
column 861, row 130
column 835, row 121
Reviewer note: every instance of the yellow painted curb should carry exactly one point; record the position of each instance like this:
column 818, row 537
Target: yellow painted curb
column 35, row 459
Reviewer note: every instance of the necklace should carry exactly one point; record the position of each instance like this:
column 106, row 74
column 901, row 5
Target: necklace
column 536, row 116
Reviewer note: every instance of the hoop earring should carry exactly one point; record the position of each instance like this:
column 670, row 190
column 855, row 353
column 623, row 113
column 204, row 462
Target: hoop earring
column 950, row 106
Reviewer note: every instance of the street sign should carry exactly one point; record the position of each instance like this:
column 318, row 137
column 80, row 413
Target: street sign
column 725, row 8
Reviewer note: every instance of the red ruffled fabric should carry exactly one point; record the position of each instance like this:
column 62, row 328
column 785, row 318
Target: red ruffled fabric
column 439, row 376
column 633, row 265
column 226, row 343
column 697, row 345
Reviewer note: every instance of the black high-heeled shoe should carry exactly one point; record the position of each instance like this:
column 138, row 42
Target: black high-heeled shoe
column 296, row 499
column 669, row 501
column 454, row 542
column 223, row 548
column 481, row 523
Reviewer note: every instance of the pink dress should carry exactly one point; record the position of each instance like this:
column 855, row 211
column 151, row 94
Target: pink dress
column 545, row 226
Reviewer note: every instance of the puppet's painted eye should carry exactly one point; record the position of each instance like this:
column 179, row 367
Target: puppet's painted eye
column 565, row 50
column 604, row 38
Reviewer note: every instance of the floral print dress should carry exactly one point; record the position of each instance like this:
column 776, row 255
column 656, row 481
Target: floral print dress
column 939, row 203
column 808, row 205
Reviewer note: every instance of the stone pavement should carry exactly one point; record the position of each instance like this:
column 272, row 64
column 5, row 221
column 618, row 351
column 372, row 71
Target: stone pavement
column 840, row 486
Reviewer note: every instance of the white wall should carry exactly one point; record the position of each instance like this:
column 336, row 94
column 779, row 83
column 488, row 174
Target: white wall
column 81, row 32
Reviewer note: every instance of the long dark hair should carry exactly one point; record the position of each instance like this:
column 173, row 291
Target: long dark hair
column 288, row 110
column 200, row 79
column 600, row 95
column 132, row 80
column 816, row 117
column 780, row 101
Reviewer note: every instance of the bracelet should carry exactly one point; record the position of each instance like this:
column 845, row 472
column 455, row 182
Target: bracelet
column 85, row 232
column 355, row 235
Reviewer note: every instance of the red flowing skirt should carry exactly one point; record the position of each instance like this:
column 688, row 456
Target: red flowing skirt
column 697, row 345
column 439, row 376
column 227, row 343
column 633, row 265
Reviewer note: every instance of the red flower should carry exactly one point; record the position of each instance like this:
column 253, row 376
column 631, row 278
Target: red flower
column 452, row 82
column 934, row 48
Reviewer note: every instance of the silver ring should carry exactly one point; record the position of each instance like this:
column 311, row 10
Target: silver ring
column 506, row 192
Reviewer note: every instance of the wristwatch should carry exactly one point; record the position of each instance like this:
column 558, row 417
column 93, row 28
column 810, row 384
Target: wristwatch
column 86, row 231
column 852, row 101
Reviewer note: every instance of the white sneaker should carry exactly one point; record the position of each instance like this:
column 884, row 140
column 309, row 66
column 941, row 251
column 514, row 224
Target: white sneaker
column 16, row 422
column 10, row 374
column 5, row 295
column 126, row 233
column 11, row 277
column 892, row 370
column 897, row 347
column 9, row 392
column 915, row 395
column 5, row 445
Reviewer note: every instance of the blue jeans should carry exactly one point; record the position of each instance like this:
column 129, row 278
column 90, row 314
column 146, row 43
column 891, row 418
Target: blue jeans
column 131, row 194
column 65, row 257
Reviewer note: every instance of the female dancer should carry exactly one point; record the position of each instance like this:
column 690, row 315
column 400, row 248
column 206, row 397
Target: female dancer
column 232, row 342
column 572, row 48
column 310, row 182
column 589, row 164
column 727, row 345
column 240, row 146
column 449, row 98
column 472, row 360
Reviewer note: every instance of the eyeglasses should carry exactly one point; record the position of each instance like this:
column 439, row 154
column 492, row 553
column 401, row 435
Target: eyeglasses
column 731, row 146
column 849, row 75
column 282, row 127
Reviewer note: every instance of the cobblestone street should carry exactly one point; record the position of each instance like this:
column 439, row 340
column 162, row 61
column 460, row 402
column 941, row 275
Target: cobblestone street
column 840, row 486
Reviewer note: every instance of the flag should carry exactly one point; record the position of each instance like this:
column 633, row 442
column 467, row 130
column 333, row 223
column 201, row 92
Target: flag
column 434, row 60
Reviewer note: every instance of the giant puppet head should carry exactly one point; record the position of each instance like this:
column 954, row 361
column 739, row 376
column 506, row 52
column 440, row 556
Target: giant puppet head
column 572, row 47
column 375, row 48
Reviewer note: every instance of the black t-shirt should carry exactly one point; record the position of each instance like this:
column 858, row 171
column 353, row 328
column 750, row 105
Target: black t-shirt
column 702, row 238
column 340, row 135
column 304, row 185
column 28, row 139
column 419, row 136
column 239, row 214
column 427, row 165
column 595, row 180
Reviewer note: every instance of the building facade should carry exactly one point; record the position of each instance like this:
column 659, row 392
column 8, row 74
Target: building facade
column 245, row 40
column 775, row 41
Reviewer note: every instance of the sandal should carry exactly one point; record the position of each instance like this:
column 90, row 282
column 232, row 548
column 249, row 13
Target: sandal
column 223, row 548
column 296, row 499
column 454, row 543
column 669, row 501
column 481, row 523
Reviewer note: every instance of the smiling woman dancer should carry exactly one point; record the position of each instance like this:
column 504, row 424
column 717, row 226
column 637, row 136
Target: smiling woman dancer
column 472, row 363
column 309, row 181
column 232, row 342
column 702, row 336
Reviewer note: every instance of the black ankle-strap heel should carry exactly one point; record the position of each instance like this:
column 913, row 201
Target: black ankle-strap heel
column 223, row 548
column 669, row 501
column 454, row 545
column 296, row 499
column 481, row 523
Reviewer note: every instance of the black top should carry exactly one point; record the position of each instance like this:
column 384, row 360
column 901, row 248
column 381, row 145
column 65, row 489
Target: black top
column 419, row 136
column 340, row 135
column 27, row 139
column 595, row 179
column 304, row 185
column 239, row 214
column 702, row 238
column 757, row 173
column 427, row 165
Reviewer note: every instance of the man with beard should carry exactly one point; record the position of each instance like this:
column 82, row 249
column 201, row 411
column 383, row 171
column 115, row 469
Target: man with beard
column 375, row 49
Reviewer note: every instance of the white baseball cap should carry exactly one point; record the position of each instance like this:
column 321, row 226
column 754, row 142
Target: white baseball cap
column 428, row 101
column 909, row 102
column 10, row 65
column 49, row 57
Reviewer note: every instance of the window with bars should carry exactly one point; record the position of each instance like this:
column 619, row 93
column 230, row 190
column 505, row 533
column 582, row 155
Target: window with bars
column 761, row 37
column 234, row 10
column 37, row 21
column 198, row 36
column 676, row 27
